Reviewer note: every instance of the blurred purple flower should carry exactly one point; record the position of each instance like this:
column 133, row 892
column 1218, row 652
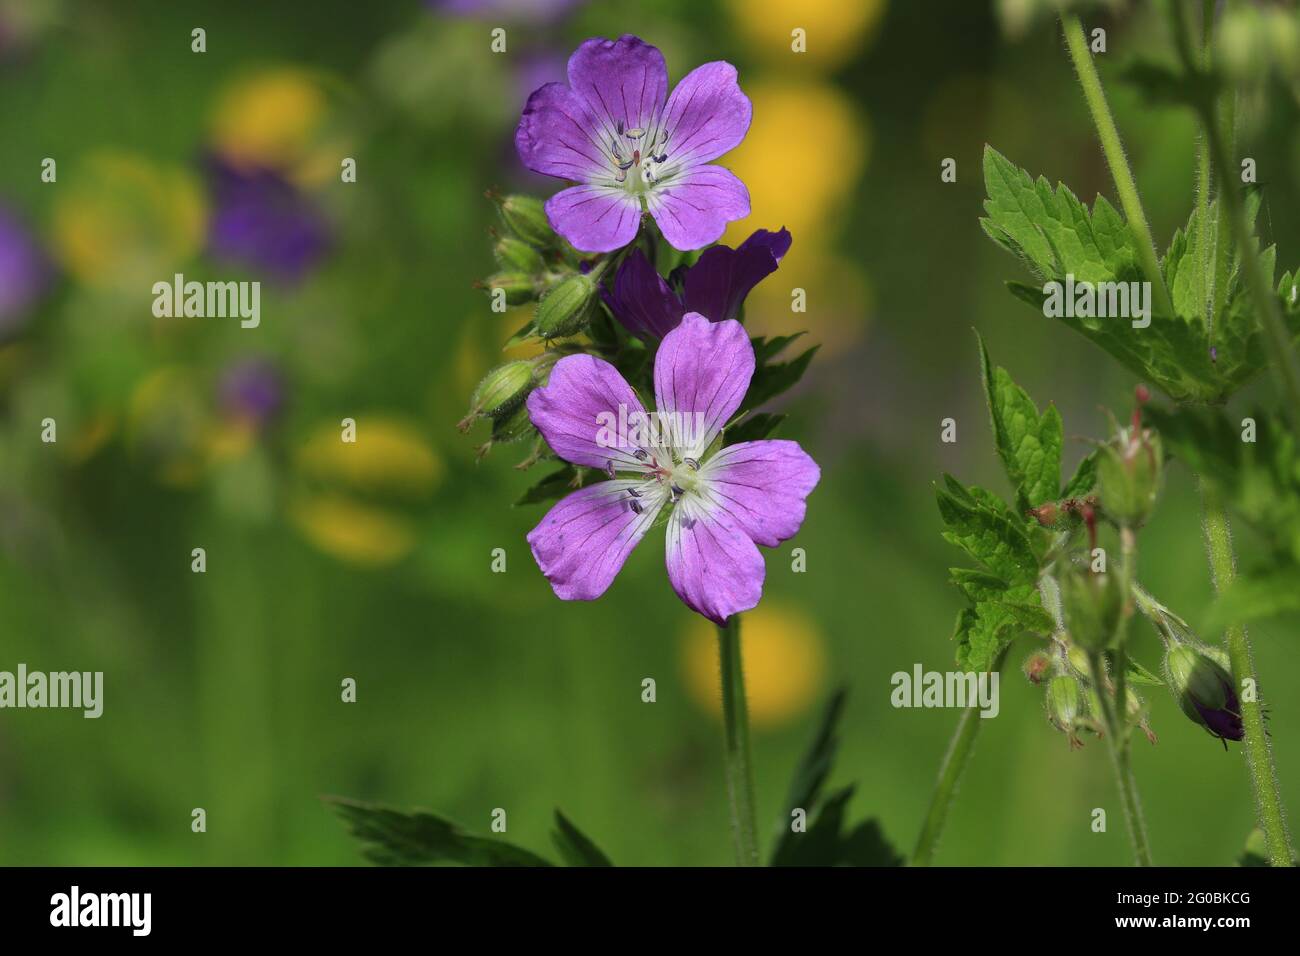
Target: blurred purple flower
column 251, row 389
column 24, row 272
column 261, row 219
column 715, row 286
column 615, row 130
column 532, row 11
column 723, row 506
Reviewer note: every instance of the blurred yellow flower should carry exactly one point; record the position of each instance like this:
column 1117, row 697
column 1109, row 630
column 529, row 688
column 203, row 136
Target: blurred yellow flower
column 387, row 456
column 352, row 532
column 268, row 118
column 124, row 221
column 784, row 661
column 801, row 161
column 834, row 30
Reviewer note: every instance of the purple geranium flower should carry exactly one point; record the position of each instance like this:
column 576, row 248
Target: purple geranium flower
column 262, row 219
column 634, row 148
column 722, row 506
column 715, row 286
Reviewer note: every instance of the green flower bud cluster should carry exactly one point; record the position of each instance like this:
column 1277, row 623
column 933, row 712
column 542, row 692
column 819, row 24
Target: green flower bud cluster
column 1093, row 605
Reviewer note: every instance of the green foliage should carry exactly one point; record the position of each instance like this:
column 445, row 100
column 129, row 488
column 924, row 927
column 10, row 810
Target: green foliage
column 396, row 838
column 827, row 842
column 1055, row 235
column 1029, row 444
column 390, row 837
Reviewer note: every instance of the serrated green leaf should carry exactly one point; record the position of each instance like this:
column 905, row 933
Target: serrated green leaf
column 752, row 428
column 1084, row 479
column 773, row 379
column 767, row 348
column 1029, row 444
column 810, row 775
column 575, row 847
column 993, row 537
column 984, row 630
column 396, row 838
column 827, row 843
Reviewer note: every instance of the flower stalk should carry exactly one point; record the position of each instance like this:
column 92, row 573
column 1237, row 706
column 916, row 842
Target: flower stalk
column 738, row 764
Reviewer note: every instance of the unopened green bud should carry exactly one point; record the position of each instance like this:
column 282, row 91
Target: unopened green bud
column 519, row 287
column 1037, row 667
column 1065, row 707
column 567, row 307
column 1092, row 604
column 501, row 392
column 1079, row 663
column 1201, row 683
column 1128, row 477
column 525, row 216
column 515, row 255
column 512, row 427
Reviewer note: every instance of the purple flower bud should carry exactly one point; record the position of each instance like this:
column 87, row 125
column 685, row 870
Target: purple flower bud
column 23, row 273
column 1204, row 690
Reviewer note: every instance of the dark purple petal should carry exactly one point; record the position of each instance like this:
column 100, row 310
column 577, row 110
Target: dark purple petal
column 583, row 541
column 707, row 115
column 594, row 218
column 762, row 485
column 622, row 81
column 572, row 412
column 712, row 564
column 261, row 219
column 556, row 136
column 702, row 371
column 694, row 207
column 716, row 286
column 642, row 300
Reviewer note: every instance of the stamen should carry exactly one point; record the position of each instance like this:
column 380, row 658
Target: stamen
column 675, row 492
column 661, row 157
column 635, row 506
column 609, row 467
column 625, row 164
column 619, row 127
column 639, row 454
column 634, row 493
column 635, row 132
column 695, row 465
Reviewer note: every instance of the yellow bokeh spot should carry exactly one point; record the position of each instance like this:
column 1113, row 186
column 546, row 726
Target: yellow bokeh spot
column 833, row 30
column 801, row 161
column 387, row 456
column 124, row 221
column 784, row 661
column 269, row 118
column 352, row 532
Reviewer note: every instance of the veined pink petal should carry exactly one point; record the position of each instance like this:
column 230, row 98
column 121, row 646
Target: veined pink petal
column 702, row 371
column 594, row 218
column 762, row 485
column 707, row 115
column 622, row 81
column 712, row 564
column 557, row 136
column 579, row 409
column 583, row 541
column 695, row 205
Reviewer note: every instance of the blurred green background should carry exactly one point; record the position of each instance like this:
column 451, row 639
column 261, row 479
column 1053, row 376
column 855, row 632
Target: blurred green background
column 479, row 690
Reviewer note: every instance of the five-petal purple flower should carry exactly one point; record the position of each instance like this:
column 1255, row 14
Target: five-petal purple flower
column 615, row 130
column 715, row 286
column 724, row 505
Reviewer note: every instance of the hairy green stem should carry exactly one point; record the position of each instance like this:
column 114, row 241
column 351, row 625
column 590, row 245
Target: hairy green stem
column 1112, row 146
column 1119, row 759
column 954, row 763
column 735, row 720
column 1259, row 752
column 1205, row 286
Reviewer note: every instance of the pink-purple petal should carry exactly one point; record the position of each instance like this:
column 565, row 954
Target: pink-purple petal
column 623, row 80
column 594, row 218
column 583, row 541
column 707, row 114
column 702, row 371
column 762, row 486
column 556, row 136
column 695, row 205
column 712, row 564
column 573, row 412
column 642, row 300
column 716, row 286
